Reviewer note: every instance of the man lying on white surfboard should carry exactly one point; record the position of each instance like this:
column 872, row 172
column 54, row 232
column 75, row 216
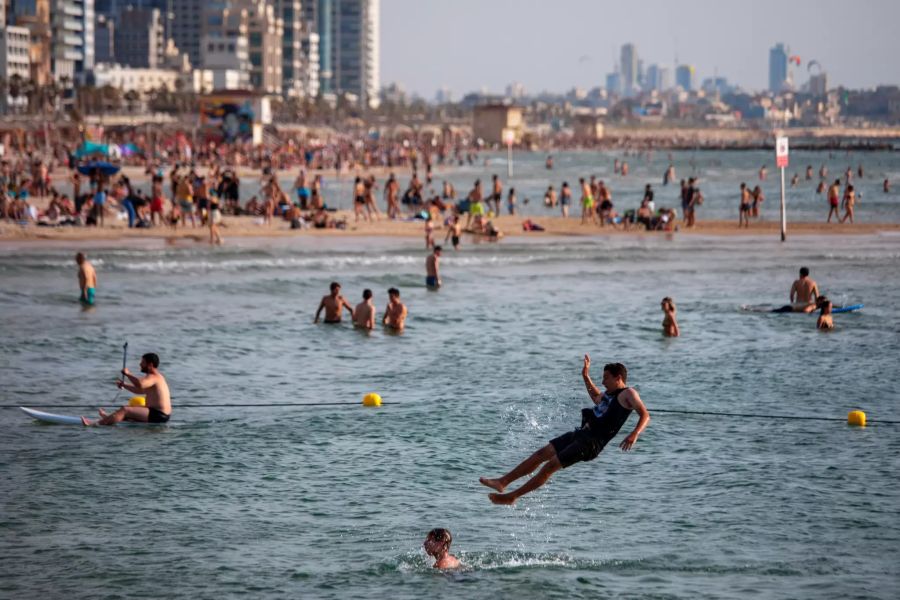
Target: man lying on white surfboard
column 153, row 385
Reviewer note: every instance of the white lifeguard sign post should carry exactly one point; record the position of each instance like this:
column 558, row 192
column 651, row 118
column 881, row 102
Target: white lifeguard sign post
column 781, row 161
column 509, row 138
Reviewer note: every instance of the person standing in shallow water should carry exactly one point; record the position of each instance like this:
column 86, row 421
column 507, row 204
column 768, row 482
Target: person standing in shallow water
column 87, row 279
column 669, row 324
column 334, row 305
column 432, row 269
column 599, row 425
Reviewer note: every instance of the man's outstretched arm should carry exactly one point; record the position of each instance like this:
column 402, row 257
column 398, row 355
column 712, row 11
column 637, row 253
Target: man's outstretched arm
column 633, row 401
column 593, row 390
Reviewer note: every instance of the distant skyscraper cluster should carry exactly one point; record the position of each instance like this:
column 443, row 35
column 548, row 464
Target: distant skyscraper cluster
column 294, row 48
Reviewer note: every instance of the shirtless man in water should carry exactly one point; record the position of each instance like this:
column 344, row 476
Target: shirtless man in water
column 153, row 385
column 804, row 292
column 364, row 313
column 395, row 313
column 599, row 425
column 87, row 278
column 432, row 269
column 333, row 304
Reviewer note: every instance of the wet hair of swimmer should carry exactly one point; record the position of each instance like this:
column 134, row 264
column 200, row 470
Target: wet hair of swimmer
column 334, row 286
column 441, row 536
column 367, row 294
column 152, row 359
column 617, row 370
column 394, row 292
column 668, row 300
column 804, row 272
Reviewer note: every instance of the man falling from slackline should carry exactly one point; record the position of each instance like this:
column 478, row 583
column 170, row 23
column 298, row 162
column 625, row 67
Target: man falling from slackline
column 598, row 426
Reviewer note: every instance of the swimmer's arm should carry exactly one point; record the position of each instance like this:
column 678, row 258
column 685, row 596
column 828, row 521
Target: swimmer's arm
column 593, row 390
column 319, row 311
column 793, row 291
column 633, row 401
column 815, row 292
column 350, row 308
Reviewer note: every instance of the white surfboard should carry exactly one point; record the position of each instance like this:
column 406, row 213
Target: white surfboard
column 52, row 418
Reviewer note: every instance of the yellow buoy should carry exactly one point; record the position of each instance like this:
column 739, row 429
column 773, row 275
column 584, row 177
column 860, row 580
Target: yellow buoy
column 857, row 418
column 372, row 400
column 137, row 401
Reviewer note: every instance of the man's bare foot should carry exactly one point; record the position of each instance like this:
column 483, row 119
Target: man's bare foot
column 85, row 422
column 494, row 484
column 505, row 499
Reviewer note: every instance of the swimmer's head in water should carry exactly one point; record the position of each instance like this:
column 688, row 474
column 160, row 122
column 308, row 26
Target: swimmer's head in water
column 437, row 250
column 335, row 286
column 616, row 370
column 804, row 272
column 822, row 301
column 437, row 541
column 394, row 292
column 367, row 294
column 667, row 301
column 80, row 258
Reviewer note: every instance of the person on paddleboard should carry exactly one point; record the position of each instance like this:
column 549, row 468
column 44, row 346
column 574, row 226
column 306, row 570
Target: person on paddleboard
column 598, row 426
column 153, row 386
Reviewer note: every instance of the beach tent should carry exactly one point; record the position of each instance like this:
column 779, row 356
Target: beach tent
column 89, row 148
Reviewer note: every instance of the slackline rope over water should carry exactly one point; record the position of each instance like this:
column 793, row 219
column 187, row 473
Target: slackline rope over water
column 655, row 410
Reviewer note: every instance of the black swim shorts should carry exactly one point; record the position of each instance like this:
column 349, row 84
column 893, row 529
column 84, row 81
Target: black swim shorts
column 576, row 446
column 157, row 416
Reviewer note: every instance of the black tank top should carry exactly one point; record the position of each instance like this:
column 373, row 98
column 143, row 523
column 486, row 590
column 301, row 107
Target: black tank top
column 612, row 415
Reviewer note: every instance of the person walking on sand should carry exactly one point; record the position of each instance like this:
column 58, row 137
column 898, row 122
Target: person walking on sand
column 497, row 194
column 745, row 207
column 395, row 313
column 153, row 385
column 364, row 313
column 454, row 229
column 87, row 279
column 599, row 425
column 834, row 194
column 849, row 201
column 392, row 196
column 587, row 202
column 334, row 304
column 669, row 324
column 432, row 269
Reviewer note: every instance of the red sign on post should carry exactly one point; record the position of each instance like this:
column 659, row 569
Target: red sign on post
column 781, row 152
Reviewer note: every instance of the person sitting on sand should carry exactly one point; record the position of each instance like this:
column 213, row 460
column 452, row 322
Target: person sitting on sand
column 334, row 305
column 825, row 320
column 804, row 292
column 599, row 425
column 153, row 385
column 395, row 313
column 437, row 545
column 669, row 324
column 364, row 313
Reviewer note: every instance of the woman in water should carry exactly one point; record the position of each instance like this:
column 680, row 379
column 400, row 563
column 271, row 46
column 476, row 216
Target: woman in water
column 437, row 544
column 825, row 320
column 670, row 326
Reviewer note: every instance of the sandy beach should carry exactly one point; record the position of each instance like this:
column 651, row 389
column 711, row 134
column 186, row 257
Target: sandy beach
column 511, row 226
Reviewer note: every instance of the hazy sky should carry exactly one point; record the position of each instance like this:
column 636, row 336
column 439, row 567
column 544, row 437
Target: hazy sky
column 557, row 44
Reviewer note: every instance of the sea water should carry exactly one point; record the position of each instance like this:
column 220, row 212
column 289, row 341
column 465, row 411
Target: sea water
column 334, row 500
column 719, row 175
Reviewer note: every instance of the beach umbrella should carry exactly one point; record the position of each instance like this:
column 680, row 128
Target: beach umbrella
column 103, row 167
column 87, row 148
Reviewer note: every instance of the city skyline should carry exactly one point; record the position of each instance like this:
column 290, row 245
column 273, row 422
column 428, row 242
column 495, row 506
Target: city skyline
column 467, row 46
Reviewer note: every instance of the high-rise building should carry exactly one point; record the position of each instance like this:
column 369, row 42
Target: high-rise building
column 629, row 69
column 139, row 38
column 293, row 58
column 71, row 38
column 818, row 84
column 225, row 48
column 349, row 59
column 104, row 39
column 778, row 68
column 185, row 23
column 684, row 77
column 614, row 83
column 651, row 78
column 264, row 33
column 35, row 16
